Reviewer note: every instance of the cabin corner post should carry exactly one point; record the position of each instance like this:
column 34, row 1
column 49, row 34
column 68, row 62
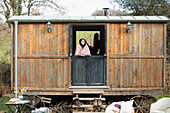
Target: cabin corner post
column 16, row 44
column 165, row 55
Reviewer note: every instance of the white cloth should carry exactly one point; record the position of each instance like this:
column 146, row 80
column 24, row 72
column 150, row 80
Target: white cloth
column 112, row 109
column 126, row 107
column 160, row 106
column 42, row 110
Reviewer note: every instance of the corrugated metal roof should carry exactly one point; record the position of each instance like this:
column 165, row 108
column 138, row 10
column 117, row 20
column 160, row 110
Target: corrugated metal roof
column 89, row 19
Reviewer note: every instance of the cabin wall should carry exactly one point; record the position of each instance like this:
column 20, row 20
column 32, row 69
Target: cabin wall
column 43, row 57
column 135, row 59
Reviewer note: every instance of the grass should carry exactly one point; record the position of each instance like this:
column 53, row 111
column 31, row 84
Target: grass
column 5, row 47
column 5, row 44
column 3, row 107
column 161, row 96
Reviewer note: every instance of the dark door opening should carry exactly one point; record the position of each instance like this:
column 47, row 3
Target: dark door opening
column 88, row 70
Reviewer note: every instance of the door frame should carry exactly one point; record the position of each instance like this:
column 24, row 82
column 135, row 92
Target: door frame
column 85, row 27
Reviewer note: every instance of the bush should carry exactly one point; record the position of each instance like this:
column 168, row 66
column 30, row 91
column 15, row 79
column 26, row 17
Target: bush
column 5, row 71
column 5, row 74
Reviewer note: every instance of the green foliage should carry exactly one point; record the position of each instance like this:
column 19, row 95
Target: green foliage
column 146, row 7
column 19, row 7
column 161, row 96
column 5, row 44
column 168, row 41
column 3, row 107
column 5, row 72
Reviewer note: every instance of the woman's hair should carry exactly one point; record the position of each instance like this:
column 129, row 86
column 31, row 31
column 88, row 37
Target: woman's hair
column 84, row 41
column 96, row 38
column 96, row 35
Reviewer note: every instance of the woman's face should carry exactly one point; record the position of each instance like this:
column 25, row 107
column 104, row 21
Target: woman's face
column 82, row 42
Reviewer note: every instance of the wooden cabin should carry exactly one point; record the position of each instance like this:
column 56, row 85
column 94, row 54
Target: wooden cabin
column 131, row 63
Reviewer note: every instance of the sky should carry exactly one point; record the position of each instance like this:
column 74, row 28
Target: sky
column 84, row 7
column 79, row 7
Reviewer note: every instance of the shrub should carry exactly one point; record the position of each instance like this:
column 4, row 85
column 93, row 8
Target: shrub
column 5, row 73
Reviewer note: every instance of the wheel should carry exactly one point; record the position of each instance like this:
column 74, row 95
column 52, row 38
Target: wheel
column 62, row 105
column 34, row 102
column 141, row 104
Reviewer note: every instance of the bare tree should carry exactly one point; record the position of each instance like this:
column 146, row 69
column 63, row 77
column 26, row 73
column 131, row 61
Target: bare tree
column 14, row 7
column 43, row 3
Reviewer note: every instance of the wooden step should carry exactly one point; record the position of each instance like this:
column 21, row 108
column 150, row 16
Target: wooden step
column 87, row 106
column 90, row 99
column 44, row 98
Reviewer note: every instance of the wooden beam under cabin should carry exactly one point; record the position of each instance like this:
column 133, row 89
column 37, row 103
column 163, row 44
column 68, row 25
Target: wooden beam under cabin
column 137, row 57
column 43, row 56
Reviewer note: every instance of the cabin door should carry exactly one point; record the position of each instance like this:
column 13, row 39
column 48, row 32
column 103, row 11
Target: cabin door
column 88, row 70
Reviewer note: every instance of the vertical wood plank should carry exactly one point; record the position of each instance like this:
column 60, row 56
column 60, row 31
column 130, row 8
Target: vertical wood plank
column 125, row 73
column 23, row 72
column 31, row 39
column 23, row 42
column 50, row 76
column 112, row 44
column 140, row 53
column 112, row 77
column 58, row 74
column 152, row 73
column 27, row 42
column 112, row 32
column 122, row 40
column 19, row 74
column 37, row 72
column 65, row 73
column 160, row 72
column 59, row 39
column 37, row 35
column 66, row 39
column 108, row 53
column 109, row 72
column 52, row 41
column 27, row 74
column 69, row 71
column 65, row 52
column 148, row 72
column 157, row 72
column 40, row 74
column 19, row 51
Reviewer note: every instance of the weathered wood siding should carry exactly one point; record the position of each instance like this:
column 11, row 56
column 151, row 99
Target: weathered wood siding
column 43, row 57
column 136, row 59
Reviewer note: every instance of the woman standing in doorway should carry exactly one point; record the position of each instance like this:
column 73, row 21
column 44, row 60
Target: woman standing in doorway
column 82, row 48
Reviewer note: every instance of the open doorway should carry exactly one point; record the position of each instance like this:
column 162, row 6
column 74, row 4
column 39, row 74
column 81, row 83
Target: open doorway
column 88, row 70
column 89, row 36
column 87, row 32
